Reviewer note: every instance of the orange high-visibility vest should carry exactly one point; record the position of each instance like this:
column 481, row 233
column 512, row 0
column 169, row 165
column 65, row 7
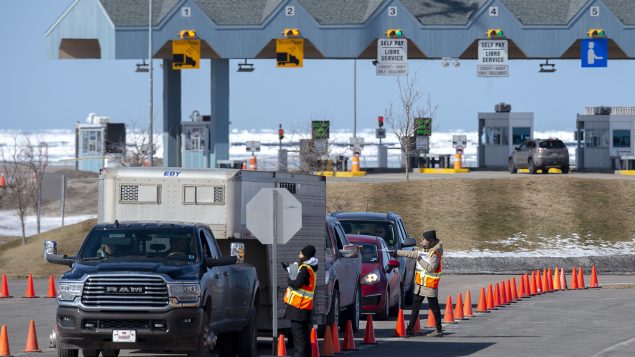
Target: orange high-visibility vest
column 302, row 298
column 426, row 278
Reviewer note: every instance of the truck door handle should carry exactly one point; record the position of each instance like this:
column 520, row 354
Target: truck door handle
column 217, row 276
column 226, row 273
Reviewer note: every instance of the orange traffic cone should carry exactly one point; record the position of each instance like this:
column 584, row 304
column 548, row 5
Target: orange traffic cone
column 532, row 283
column 501, row 293
column 448, row 317
column 527, row 290
column 417, row 326
column 482, row 305
column 556, row 279
column 244, row 165
column 282, row 348
column 51, row 293
column 581, row 279
column 432, row 321
column 31, row 339
column 574, row 279
column 369, row 334
column 497, row 302
column 336, row 338
column 4, row 289
column 543, row 282
column 400, row 327
column 467, row 307
column 4, row 342
column 315, row 349
column 538, row 283
column 563, row 280
column 30, row 291
column 508, row 292
column 550, row 280
column 490, row 298
column 327, row 343
column 521, row 287
column 514, row 291
column 458, row 309
column 349, row 339
column 594, row 279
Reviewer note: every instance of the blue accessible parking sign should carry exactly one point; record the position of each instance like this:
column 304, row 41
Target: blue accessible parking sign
column 595, row 52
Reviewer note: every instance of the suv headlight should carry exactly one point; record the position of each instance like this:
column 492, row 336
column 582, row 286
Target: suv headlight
column 69, row 291
column 371, row 278
column 185, row 292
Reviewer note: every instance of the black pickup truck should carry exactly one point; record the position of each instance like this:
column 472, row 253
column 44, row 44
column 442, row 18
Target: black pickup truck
column 154, row 287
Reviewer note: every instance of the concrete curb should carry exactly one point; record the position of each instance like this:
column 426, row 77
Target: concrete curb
column 615, row 264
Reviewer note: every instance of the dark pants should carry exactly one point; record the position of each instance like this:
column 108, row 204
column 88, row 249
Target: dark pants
column 301, row 331
column 434, row 308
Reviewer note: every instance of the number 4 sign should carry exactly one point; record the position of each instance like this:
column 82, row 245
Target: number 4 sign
column 493, row 11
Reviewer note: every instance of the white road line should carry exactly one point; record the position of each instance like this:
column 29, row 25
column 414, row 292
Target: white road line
column 614, row 348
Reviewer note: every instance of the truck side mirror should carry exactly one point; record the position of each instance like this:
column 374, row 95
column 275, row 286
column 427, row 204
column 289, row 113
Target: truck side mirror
column 350, row 251
column 51, row 256
column 222, row 261
column 238, row 250
column 409, row 242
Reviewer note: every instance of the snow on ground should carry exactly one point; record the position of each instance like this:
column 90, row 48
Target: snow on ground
column 10, row 223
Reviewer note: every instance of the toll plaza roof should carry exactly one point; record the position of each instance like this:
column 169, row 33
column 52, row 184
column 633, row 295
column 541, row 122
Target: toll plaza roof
column 340, row 29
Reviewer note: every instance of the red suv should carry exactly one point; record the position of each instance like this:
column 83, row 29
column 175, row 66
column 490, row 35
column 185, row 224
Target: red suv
column 380, row 279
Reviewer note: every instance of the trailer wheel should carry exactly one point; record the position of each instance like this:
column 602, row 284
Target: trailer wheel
column 90, row 353
column 248, row 339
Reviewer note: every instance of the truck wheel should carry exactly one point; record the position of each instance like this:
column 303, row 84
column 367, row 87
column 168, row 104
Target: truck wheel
column 110, row 353
column 512, row 167
column 565, row 169
column 248, row 340
column 352, row 312
column 202, row 348
column 67, row 352
column 90, row 353
column 394, row 310
column 334, row 314
column 532, row 167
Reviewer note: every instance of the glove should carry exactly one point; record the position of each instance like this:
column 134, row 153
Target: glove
column 284, row 265
column 392, row 253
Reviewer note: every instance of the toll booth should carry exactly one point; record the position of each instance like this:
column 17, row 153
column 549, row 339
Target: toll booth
column 603, row 136
column 499, row 133
column 196, row 146
column 99, row 143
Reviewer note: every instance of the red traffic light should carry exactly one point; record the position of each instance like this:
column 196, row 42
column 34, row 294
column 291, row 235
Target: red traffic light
column 280, row 133
column 380, row 121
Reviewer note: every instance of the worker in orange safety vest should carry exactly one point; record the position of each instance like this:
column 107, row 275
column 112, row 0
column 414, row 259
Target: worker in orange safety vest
column 428, row 271
column 299, row 301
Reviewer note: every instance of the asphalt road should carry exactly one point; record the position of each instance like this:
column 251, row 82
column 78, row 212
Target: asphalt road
column 592, row 322
column 398, row 177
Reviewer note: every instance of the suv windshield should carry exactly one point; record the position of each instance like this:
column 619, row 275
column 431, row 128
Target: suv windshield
column 368, row 252
column 159, row 244
column 380, row 229
column 552, row 144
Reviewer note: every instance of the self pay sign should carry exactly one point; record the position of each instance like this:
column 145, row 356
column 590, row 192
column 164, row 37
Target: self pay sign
column 492, row 58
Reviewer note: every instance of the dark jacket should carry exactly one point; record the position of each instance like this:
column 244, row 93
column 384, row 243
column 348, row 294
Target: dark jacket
column 293, row 313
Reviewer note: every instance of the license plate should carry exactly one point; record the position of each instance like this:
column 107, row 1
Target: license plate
column 124, row 336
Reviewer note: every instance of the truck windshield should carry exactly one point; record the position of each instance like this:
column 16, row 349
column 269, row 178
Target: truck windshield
column 172, row 244
column 380, row 229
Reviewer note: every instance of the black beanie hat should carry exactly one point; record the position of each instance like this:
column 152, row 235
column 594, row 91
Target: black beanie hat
column 430, row 235
column 308, row 251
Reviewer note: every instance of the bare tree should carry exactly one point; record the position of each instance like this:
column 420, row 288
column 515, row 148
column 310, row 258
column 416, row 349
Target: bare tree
column 314, row 154
column 19, row 182
column 402, row 120
column 36, row 159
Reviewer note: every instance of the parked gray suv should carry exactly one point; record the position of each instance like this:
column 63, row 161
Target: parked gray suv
column 540, row 154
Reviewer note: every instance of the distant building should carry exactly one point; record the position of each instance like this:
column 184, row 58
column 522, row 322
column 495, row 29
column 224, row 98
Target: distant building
column 499, row 133
column 604, row 138
column 99, row 143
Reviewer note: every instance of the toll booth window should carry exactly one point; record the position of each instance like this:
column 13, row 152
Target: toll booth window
column 496, row 136
column 520, row 134
column 621, row 138
column 597, row 138
column 195, row 139
column 91, row 141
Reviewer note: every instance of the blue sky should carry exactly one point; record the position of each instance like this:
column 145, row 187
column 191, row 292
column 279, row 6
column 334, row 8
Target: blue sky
column 40, row 93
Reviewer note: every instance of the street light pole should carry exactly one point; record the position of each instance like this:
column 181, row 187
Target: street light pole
column 150, row 100
column 354, row 98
